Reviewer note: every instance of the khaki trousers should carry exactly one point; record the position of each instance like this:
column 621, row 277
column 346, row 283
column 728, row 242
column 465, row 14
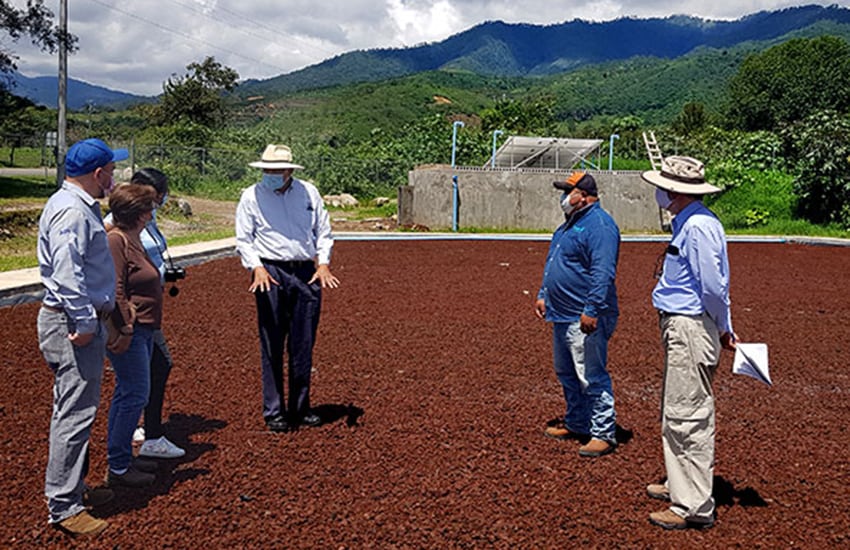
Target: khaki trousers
column 691, row 353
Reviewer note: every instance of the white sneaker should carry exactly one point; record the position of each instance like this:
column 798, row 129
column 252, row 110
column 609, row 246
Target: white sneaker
column 160, row 448
column 139, row 434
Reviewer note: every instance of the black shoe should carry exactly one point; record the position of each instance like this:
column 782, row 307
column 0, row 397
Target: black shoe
column 311, row 420
column 131, row 478
column 147, row 466
column 97, row 496
column 277, row 423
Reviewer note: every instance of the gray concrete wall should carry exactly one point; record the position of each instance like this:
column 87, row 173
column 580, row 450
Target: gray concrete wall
column 519, row 199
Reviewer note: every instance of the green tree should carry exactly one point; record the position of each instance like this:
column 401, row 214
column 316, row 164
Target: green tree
column 790, row 81
column 198, row 96
column 522, row 117
column 692, row 119
column 35, row 21
column 819, row 147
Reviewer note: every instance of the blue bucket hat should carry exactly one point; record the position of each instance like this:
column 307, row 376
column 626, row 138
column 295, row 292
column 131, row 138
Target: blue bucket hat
column 88, row 155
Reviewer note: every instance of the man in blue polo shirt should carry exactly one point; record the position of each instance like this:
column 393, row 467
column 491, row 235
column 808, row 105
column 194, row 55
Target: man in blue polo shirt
column 79, row 290
column 579, row 298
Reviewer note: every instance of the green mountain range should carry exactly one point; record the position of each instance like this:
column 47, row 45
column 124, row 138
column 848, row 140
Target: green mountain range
column 502, row 49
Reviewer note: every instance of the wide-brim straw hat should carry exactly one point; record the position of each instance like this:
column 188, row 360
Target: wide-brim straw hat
column 276, row 157
column 684, row 175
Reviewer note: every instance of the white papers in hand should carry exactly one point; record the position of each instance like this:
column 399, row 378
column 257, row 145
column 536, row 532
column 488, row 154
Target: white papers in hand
column 751, row 360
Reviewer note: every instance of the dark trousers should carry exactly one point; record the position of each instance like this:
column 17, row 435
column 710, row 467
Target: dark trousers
column 160, row 368
column 288, row 314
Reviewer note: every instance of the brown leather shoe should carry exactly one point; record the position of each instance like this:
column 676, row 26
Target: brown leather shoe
column 596, row 448
column 658, row 491
column 559, row 431
column 82, row 525
column 668, row 519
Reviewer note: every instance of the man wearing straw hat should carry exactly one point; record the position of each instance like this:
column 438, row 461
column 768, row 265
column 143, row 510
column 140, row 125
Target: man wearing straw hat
column 283, row 235
column 692, row 298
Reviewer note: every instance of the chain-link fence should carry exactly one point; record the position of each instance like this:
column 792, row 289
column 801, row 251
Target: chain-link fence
column 223, row 172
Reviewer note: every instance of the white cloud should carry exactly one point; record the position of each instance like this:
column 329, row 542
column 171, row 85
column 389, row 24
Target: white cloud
column 417, row 22
column 135, row 46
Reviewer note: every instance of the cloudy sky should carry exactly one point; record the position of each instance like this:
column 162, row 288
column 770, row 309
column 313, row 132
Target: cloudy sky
column 134, row 46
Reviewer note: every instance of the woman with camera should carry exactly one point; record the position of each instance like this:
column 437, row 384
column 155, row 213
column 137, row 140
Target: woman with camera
column 137, row 314
column 156, row 444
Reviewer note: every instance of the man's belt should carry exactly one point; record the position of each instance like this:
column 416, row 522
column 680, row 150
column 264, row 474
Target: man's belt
column 102, row 314
column 289, row 264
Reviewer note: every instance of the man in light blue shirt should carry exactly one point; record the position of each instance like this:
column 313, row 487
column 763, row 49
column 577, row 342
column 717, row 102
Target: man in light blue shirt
column 79, row 281
column 692, row 298
column 283, row 235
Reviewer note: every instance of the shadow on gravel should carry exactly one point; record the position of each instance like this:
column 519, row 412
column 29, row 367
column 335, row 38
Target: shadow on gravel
column 179, row 428
column 333, row 413
column 725, row 494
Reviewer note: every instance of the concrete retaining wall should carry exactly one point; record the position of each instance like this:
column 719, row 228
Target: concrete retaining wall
column 518, row 199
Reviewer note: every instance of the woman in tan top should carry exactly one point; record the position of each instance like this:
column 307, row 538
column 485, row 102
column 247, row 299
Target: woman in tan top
column 138, row 312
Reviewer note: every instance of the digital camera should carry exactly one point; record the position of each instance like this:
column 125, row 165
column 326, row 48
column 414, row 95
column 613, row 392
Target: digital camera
column 173, row 274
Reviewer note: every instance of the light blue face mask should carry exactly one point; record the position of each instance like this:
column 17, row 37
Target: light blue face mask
column 164, row 200
column 662, row 198
column 272, row 182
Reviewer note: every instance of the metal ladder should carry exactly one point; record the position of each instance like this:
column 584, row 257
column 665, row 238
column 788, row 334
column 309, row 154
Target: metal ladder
column 652, row 149
column 655, row 158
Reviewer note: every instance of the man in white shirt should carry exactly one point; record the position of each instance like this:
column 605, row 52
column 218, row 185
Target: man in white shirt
column 283, row 236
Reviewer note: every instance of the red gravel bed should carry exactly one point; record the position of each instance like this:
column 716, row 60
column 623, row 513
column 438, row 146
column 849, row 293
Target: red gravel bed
column 435, row 380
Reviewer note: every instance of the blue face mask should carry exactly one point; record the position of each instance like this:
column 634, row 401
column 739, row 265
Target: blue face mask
column 164, row 200
column 662, row 199
column 272, row 182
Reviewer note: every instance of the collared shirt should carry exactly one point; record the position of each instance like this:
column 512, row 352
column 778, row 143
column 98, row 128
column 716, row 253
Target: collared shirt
column 73, row 257
column 288, row 226
column 153, row 242
column 695, row 279
column 581, row 267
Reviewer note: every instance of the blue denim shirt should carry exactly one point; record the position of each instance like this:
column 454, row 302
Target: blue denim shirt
column 695, row 277
column 581, row 267
column 74, row 259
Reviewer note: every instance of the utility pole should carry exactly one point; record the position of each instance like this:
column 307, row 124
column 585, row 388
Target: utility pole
column 61, row 146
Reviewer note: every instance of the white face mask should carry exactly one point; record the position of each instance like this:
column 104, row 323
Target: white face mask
column 566, row 206
column 662, row 199
column 108, row 189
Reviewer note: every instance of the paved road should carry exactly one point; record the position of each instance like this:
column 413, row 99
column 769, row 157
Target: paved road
column 28, row 172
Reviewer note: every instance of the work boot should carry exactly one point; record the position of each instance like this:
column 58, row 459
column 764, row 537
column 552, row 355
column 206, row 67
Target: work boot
column 596, row 448
column 82, row 525
column 560, row 432
column 668, row 519
column 658, row 491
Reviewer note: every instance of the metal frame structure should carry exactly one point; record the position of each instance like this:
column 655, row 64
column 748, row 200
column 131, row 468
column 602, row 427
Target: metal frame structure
column 545, row 152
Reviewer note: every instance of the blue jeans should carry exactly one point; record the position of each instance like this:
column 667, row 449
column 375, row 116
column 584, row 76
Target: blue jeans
column 580, row 360
column 132, row 387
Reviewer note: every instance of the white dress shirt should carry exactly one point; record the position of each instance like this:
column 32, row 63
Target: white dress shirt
column 288, row 226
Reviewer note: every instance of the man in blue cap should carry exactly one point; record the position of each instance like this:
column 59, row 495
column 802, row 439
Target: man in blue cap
column 79, row 280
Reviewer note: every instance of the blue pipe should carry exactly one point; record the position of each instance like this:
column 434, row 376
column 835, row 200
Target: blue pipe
column 454, row 203
column 493, row 155
column 611, row 150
